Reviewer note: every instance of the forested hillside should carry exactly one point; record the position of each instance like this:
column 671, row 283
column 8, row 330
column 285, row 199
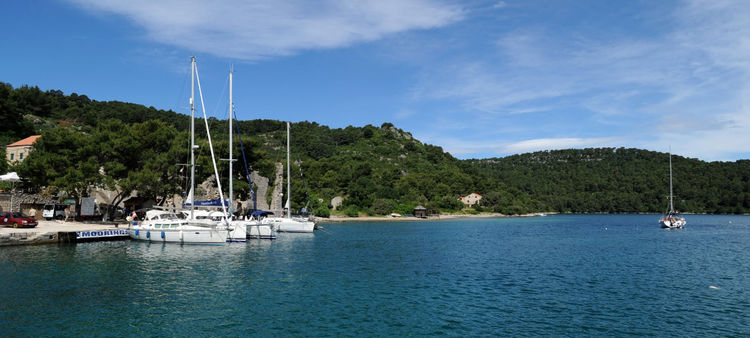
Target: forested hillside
column 375, row 169
column 623, row 180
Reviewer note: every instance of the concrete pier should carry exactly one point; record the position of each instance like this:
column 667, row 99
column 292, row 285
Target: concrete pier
column 52, row 232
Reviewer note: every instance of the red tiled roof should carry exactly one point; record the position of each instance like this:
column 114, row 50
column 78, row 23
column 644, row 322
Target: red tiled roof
column 25, row 142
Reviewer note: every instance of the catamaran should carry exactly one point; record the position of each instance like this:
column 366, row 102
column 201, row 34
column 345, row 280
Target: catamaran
column 671, row 220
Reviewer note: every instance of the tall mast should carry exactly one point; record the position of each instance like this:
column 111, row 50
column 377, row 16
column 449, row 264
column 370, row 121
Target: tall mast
column 211, row 145
column 671, row 203
column 288, row 176
column 192, row 134
column 231, row 200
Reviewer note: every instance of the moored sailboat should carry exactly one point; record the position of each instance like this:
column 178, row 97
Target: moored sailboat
column 671, row 220
column 163, row 226
column 288, row 223
column 238, row 228
column 241, row 229
column 167, row 227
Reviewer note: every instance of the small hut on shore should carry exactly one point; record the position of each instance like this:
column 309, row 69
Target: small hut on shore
column 420, row 212
column 137, row 203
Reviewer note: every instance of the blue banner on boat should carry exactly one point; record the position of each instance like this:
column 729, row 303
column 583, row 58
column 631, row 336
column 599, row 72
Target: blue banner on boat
column 208, row 203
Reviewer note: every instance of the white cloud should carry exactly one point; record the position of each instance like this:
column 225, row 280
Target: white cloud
column 256, row 29
column 499, row 4
column 687, row 85
column 712, row 117
column 478, row 147
column 682, row 81
column 555, row 143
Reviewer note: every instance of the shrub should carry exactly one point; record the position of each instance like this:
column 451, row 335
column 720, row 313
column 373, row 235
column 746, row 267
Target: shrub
column 351, row 211
column 322, row 211
column 405, row 208
column 383, row 206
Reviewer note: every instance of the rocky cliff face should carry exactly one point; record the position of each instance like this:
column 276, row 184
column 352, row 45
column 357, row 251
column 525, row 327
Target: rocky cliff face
column 210, row 189
column 261, row 192
column 277, row 202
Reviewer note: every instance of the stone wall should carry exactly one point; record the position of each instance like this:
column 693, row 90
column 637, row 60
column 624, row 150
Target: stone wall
column 24, row 202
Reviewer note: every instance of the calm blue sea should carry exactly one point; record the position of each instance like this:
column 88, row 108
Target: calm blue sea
column 574, row 275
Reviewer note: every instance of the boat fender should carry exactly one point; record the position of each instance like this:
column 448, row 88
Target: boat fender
column 162, row 235
column 148, row 234
column 136, row 232
column 181, row 236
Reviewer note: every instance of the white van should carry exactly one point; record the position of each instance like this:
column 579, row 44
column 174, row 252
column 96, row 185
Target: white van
column 54, row 211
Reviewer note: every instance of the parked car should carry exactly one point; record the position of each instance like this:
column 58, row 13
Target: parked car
column 17, row 220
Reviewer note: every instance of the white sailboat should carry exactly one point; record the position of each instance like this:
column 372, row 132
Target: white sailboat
column 237, row 229
column 256, row 229
column 241, row 229
column 163, row 226
column 672, row 220
column 288, row 223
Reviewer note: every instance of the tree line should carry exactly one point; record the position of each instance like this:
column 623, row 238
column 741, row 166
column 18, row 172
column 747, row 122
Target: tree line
column 378, row 170
column 623, row 180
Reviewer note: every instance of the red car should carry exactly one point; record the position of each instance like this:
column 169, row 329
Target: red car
column 17, row 220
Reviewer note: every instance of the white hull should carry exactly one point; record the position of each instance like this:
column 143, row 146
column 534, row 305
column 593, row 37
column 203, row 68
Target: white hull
column 237, row 232
column 260, row 231
column 182, row 236
column 240, row 231
column 166, row 227
column 296, row 226
column 290, row 225
column 672, row 223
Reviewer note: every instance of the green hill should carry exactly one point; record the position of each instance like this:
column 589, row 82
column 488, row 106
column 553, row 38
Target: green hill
column 623, row 180
column 377, row 170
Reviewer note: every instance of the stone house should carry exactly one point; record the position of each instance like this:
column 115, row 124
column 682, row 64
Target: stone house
column 420, row 212
column 470, row 199
column 17, row 151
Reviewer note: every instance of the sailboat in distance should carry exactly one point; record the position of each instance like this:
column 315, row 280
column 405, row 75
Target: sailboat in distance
column 672, row 220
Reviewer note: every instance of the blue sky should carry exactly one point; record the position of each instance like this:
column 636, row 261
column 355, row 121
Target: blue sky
column 478, row 78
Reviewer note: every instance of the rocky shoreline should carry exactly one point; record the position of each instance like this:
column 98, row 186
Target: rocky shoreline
column 341, row 219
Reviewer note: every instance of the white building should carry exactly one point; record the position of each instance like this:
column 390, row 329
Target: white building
column 470, row 199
